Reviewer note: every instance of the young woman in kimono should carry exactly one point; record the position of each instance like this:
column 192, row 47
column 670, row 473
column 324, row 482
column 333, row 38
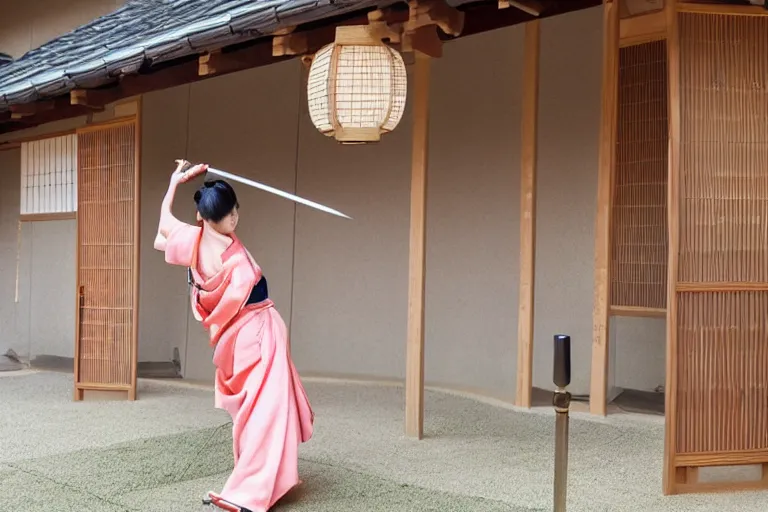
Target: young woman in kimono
column 256, row 381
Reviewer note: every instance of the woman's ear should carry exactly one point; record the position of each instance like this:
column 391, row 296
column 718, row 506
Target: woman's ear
column 199, row 218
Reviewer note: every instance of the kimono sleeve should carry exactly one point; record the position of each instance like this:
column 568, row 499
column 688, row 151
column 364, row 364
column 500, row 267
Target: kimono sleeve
column 180, row 244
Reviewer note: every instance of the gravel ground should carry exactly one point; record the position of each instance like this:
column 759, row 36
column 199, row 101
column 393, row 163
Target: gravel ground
column 164, row 451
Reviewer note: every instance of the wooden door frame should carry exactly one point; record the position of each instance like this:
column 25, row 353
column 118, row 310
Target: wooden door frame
column 116, row 390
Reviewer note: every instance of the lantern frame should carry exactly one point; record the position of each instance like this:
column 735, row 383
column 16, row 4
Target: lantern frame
column 357, row 35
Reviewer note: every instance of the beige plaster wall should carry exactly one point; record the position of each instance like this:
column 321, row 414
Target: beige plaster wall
column 28, row 25
column 342, row 285
column 42, row 320
column 349, row 303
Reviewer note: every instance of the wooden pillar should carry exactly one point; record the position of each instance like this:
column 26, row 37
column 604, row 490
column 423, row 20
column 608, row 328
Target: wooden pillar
column 529, row 146
column 414, row 371
column 673, row 227
column 606, row 164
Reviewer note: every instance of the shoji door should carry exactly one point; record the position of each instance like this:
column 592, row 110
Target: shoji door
column 717, row 412
column 108, row 263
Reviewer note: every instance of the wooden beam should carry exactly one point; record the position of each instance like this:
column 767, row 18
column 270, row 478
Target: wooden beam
column 643, row 29
column 28, row 109
column 607, row 159
column 414, row 371
column 673, row 229
column 481, row 17
column 528, row 152
column 730, row 10
column 48, row 116
column 530, row 7
column 222, row 63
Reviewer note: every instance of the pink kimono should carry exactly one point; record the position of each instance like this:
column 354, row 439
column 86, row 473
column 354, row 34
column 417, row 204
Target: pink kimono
column 256, row 381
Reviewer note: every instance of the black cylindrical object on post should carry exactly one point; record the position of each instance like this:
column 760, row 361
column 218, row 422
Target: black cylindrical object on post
column 562, row 369
column 561, row 399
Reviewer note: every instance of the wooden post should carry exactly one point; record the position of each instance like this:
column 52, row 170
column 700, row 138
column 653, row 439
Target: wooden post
column 607, row 159
column 414, row 371
column 136, row 248
column 673, row 227
column 529, row 146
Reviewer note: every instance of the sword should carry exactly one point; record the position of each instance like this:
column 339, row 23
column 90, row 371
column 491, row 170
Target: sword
column 276, row 191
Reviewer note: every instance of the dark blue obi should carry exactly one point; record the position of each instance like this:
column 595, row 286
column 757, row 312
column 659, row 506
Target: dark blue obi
column 259, row 293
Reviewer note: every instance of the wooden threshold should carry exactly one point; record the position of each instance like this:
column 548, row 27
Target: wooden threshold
column 635, row 311
column 41, row 217
column 687, row 481
column 102, row 387
column 740, row 458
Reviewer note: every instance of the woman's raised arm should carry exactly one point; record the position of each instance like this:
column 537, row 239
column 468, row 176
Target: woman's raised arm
column 182, row 174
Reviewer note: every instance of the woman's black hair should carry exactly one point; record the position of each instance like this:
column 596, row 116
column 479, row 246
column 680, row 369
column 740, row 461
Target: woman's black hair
column 215, row 200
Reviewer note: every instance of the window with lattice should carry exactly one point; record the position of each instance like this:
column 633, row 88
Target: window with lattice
column 49, row 175
column 639, row 211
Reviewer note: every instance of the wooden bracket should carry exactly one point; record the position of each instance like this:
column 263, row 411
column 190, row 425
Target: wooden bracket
column 434, row 12
column 381, row 30
column 530, row 6
column 420, row 31
column 425, row 40
column 94, row 99
column 206, row 64
column 285, row 42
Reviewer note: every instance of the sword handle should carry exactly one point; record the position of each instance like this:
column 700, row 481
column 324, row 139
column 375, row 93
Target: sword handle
column 187, row 166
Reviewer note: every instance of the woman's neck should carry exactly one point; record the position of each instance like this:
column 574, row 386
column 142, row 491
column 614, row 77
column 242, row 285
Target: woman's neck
column 212, row 246
column 212, row 236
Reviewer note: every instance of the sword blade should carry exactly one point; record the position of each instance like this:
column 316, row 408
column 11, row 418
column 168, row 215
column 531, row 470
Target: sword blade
column 277, row 191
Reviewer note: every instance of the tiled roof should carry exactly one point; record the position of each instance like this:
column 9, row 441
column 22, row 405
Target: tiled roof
column 151, row 31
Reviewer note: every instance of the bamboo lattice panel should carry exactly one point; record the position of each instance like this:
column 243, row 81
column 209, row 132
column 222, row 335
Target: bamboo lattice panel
column 107, row 267
column 724, row 151
column 722, row 336
column 722, row 382
column 639, row 252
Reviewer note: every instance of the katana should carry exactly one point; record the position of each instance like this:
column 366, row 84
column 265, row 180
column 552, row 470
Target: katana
column 267, row 188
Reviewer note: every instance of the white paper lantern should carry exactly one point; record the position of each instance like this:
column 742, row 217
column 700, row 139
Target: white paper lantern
column 357, row 87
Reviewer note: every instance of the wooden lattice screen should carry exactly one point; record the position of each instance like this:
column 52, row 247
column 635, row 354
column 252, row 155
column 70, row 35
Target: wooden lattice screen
column 639, row 211
column 106, row 345
column 719, row 343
